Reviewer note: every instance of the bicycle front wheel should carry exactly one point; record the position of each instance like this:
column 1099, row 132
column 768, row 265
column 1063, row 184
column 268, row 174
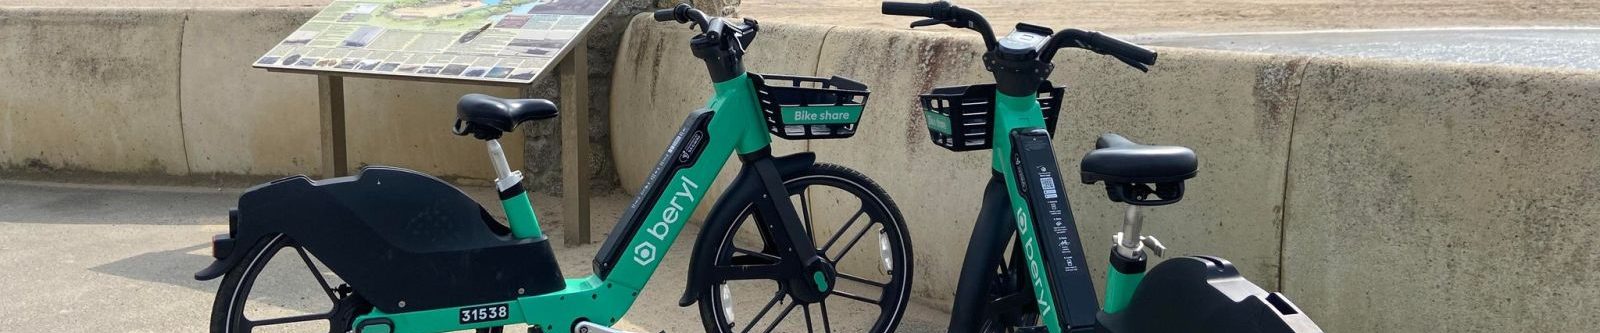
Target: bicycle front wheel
column 855, row 226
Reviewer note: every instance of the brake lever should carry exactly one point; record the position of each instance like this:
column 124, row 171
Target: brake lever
column 926, row 22
column 1125, row 60
column 1132, row 63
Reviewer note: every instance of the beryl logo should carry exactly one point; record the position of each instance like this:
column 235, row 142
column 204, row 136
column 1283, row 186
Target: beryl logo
column 1030, row 245
column 823, row 115
column 645, row 253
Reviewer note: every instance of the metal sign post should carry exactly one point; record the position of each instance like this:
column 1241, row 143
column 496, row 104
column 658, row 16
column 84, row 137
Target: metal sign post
column 484, row 42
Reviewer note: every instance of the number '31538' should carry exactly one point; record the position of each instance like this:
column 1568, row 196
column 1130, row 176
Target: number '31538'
column 484, row 313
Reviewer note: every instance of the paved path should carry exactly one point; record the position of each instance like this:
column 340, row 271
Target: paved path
column 92, row 259
column 1573, row 48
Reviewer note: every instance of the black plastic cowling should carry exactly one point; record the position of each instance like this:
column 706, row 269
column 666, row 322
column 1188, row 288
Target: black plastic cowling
column 1204, row 294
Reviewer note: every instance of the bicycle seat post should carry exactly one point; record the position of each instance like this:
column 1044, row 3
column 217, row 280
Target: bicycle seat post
column 1131, row 244
column 1129, row 241
column 504, row 176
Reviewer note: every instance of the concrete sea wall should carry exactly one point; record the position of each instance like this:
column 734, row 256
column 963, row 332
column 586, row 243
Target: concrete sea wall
column 171, row 92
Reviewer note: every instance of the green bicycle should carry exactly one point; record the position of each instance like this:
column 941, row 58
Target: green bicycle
column 394, row 250
column 1044, row 285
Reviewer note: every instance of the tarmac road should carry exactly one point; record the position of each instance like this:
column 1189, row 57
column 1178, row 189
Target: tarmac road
column 76, row 258
column 1571, row 48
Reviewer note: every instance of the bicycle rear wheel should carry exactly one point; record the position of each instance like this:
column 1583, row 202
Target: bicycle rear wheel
column 273, row 291
column 840, row 208
column 265, row 287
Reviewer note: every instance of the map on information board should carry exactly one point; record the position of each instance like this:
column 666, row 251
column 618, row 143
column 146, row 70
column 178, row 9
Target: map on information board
column 474, row 40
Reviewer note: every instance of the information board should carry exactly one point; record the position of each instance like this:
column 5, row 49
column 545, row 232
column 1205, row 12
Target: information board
column 510, row 41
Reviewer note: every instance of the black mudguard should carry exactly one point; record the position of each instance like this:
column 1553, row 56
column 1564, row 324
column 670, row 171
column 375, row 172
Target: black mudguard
column 395, row 235
column 721, row 218
column 1205, row 294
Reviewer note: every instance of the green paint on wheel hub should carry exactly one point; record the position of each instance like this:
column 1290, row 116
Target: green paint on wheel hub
column 822, row 282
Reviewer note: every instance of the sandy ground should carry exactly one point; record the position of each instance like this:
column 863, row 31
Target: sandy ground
column 1122, row 16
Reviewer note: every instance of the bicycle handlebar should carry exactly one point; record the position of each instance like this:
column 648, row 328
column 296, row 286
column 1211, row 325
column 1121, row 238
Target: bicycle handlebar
column 683, row 13
column 927, row 10
column 942, row 12
column 1129, row 53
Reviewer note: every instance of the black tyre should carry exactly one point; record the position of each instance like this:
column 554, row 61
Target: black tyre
column 244, row 305
column 327, row 305
column 840, row 207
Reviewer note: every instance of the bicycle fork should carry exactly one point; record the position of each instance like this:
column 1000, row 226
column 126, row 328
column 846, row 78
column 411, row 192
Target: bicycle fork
column 985, row 252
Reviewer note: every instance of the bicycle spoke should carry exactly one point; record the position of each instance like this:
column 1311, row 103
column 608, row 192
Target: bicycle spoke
column 805, row 209
column 860, row 280
column 807, row 310
column 290, row 319
column 750, row 272
column 842, row 229
column 317, row 273
column 826, row 323
column 854, row 297
column 852, row 244
column 756, row 254
column 785, row 313
column 763, row 313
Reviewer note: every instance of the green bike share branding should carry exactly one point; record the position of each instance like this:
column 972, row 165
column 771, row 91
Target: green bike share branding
column 822, row 115
column 938, row 122
column 645, row 252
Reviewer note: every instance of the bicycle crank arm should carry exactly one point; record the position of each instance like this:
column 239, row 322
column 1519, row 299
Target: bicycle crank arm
column 588, row 327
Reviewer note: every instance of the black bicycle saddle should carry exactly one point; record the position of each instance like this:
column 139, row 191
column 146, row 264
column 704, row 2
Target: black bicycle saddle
column 1116, row 159
column 487, row 117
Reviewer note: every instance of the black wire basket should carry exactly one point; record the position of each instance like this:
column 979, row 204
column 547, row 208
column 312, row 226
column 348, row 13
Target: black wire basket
column 805, row 108
column 961, row 118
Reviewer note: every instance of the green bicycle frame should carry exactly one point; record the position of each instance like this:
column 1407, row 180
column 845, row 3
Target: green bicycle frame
column 737, row 125
column 1014, row 113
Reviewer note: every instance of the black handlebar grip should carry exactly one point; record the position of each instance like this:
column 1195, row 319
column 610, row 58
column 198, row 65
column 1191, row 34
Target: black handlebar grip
column 908, row 9
column 1120, row 48
column 666, row 15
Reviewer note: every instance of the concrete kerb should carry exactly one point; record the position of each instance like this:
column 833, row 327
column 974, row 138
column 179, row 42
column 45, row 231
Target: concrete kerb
column 1429, row 197
column 91, row 89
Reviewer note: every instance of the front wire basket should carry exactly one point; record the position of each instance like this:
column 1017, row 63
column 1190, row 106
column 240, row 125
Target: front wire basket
column 804, row 108
column 961, row 118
